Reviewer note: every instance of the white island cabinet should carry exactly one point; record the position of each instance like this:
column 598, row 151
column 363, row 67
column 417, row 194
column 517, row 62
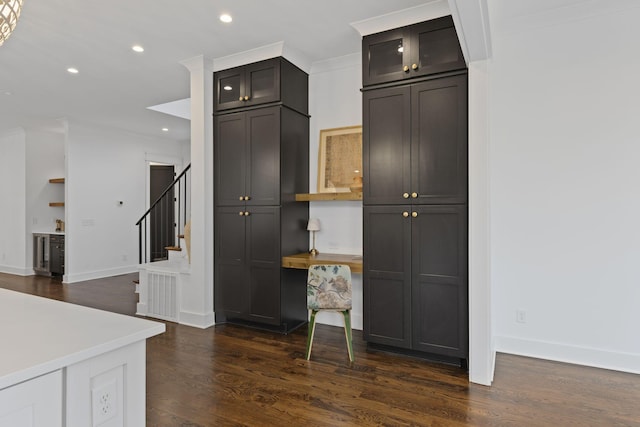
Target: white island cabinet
column 67, row 365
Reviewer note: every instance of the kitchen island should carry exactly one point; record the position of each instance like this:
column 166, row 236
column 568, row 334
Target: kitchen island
column 67, row 365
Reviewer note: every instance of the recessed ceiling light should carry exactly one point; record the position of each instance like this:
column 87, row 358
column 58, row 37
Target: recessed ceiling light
column 165, row 129
column 225, row 17
column 137, row 48
column 72, row 70
column 227, row 87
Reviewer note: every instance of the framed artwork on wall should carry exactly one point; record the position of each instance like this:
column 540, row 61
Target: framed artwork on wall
column 340, row 160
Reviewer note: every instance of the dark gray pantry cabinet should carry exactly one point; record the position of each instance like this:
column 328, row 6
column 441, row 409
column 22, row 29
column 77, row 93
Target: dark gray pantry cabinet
column 261, row 158
column 415, row 192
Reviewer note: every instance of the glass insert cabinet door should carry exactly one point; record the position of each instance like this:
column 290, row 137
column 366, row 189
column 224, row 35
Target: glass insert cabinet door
column 384, row 57
column 229, row 88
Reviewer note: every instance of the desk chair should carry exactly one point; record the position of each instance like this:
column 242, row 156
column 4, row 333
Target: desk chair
column 329, row 288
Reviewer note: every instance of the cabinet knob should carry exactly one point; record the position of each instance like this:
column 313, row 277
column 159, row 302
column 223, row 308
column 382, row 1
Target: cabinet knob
column 246, row 97
column 246, row 213
column 414, row 214
column 241, row 99
column 405, row 214
column 414, row 66
column 405, row 195
column 414, row 195
column 240, row 213
column 247, row 198
column 241, row 198
column 406, row 68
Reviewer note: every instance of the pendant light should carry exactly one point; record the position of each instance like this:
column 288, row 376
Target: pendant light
column 9, row 14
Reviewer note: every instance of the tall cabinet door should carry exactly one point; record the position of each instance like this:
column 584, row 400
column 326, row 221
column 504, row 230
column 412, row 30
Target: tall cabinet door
column 263, row 246
column 386, row 153
column 387, row 275
column 439, row 279
column 439, row 141
column 231, row 290
column 230, row 149
column 263, row 157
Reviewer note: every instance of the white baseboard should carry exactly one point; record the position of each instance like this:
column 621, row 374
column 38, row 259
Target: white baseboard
column 16, row 270
column 625, row 362
column 99, row 274
column 197, row 320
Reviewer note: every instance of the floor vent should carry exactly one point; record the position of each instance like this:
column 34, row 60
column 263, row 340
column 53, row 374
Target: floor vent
column 163, row 295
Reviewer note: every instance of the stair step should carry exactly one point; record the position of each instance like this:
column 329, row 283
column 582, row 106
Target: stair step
column 173, row 248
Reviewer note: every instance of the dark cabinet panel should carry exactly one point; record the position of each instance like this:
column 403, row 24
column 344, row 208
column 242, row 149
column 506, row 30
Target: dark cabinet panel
column 231, row 292
column 439, row 140
column 386, row 154
column 247, row 150
column 56, row 254
column 415, row 276
column 416, row 143
column 387, row 275
column 414, row 51
column 263, row 245
column 264, row 82
column 261, row 161
column 415, row 165
column 439, row 279
column 248, row 85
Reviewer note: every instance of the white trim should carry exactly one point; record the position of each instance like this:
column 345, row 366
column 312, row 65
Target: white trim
column 336, row 64
column 197, row 320
column 585, row 356
column 99, row 274
column 16, row 270
column 429, row 10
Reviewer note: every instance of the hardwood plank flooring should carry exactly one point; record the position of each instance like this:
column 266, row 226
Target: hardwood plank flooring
column 234, row 376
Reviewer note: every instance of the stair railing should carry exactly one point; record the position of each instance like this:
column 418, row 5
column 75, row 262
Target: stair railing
column 176, row 200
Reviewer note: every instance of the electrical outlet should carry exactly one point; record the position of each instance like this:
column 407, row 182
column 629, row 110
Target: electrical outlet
column 105, row 402
column 521, row 316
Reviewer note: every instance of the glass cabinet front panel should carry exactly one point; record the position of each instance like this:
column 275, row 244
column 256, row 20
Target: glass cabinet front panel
column 386, row 57
column 229, row 89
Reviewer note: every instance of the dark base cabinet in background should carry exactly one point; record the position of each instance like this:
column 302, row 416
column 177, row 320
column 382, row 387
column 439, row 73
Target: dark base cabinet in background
column 415, row 149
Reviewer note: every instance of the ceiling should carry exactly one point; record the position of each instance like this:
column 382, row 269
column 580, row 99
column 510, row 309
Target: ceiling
column 115, row 85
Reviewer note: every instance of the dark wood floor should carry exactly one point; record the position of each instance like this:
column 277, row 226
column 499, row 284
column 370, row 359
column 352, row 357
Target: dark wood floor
column 230, row 376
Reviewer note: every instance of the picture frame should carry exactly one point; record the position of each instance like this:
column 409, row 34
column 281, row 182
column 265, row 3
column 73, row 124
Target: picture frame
column 340, row 160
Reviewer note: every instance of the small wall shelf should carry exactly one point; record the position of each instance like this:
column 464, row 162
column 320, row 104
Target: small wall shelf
column 56, row 181
column 55, row 204
column 307, row 197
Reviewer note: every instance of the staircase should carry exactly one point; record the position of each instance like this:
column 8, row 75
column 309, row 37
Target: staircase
column 163, row 274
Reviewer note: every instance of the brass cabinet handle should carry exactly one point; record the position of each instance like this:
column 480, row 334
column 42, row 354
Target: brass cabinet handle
column 405, row 195
column 406, row 68
column 240, row 213
column 414, row 195
column 241, row 198
column 246, row 213
column 414, row 214
column 246, row 97
column 240, row 99
column 405, row 214
column 414, row 67
column 247, row 198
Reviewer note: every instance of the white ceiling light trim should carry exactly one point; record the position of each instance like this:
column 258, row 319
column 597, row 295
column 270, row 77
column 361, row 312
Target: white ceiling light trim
column 9, row 14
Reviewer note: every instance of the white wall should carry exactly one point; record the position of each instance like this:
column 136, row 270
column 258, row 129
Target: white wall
column 335, row 101
column 13, row 256
column 565, row 187
column 104, row 166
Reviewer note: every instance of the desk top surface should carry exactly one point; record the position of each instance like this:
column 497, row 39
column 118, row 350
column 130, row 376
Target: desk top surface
column 305, row 259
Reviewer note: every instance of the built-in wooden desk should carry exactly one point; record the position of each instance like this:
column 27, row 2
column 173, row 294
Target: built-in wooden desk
column 304, row 260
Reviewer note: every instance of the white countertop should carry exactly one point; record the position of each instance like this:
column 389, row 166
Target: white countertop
column 40, row 335
column 59, row 233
